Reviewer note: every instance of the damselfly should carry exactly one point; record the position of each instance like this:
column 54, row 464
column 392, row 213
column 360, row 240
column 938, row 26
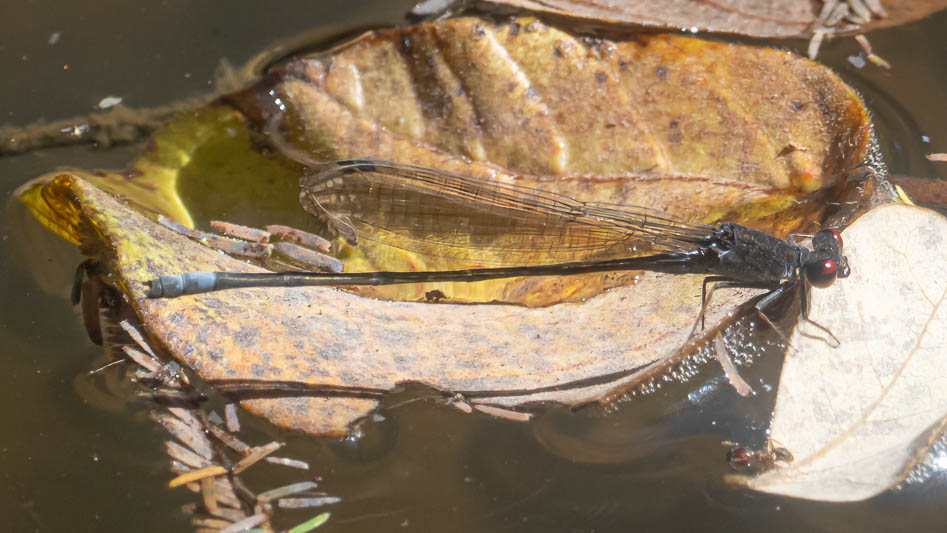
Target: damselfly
column 407, row 205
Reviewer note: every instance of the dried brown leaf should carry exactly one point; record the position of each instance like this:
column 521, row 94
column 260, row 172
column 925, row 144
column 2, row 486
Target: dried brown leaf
column 927, row 192
column 331, row 346
column 785, row 18
column 654, row 120
column 661, row 121
column 857, row 418
column 698, row 129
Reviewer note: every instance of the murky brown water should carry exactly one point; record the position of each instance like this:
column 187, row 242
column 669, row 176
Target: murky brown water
column 85, row 461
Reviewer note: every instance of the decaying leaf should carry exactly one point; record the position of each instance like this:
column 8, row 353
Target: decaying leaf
column 926, row 192
column 859, row 417
column 691, row 118
column 698, row 129
column 318, row 358
column 784, row 18
column 702, row 130
column 151, row 184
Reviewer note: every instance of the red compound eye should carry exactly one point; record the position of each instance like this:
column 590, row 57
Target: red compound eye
column 838, row 238
column 822, row 274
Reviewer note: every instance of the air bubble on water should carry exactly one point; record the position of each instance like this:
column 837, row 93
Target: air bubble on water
column 705, row 389
column 932, row 469
column 875, row 157
column 648, row 388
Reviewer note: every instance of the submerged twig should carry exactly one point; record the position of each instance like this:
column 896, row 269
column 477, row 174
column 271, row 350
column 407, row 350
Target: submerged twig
column 870, row 55
column 739, row 384
column 119, row 125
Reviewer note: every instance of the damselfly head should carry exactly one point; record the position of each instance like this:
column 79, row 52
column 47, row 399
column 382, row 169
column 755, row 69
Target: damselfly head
column 827, row 240
column 826, row 262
